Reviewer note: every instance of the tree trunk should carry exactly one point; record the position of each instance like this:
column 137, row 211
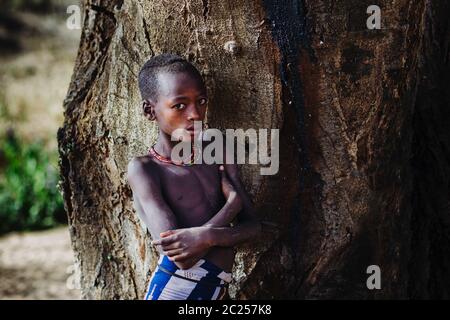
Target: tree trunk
column 364, row 148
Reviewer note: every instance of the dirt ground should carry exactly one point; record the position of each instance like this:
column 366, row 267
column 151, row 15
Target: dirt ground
column 37, row 265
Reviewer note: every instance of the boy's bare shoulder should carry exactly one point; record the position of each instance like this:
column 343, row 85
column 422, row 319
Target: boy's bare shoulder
column 142, row 167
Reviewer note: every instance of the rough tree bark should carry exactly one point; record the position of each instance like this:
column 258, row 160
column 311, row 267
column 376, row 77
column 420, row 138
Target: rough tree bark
column 364, row 150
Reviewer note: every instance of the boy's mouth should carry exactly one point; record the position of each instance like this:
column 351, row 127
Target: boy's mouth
column 190, row 130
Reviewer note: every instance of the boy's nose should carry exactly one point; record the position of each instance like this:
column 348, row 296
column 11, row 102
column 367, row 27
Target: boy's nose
column 193, row 114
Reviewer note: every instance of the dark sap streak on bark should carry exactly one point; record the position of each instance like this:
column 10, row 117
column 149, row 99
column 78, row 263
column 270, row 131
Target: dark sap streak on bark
column 290, row 33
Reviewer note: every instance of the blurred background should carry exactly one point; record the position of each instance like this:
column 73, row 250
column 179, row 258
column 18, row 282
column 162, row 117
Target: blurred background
column 37, row 55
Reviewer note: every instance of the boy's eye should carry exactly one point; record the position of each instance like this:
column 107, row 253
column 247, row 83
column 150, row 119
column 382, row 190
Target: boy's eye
column 179, row 106
column 202, row 101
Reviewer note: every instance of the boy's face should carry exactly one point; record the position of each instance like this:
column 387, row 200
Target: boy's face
column 182, row 99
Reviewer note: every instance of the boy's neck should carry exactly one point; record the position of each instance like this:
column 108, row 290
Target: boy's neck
column 164, row 145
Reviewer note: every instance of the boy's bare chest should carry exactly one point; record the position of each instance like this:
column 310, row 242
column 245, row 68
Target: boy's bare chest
column 194, row 193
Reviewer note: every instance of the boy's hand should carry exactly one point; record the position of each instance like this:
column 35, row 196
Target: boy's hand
column 183, row 244
column 227, row 187
column 229, row 191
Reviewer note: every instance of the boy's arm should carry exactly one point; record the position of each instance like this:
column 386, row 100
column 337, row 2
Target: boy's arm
column 177, row 244
column 233, row 204
column 156, row 214
column 248, row 225
column 214, row 232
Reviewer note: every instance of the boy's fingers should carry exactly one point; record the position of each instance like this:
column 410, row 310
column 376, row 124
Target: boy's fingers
column 179, row 257
column 166, row 233
column 163, row 242
column 171, row 246
column 222, row 171
column 172, row 253
column 224, row 174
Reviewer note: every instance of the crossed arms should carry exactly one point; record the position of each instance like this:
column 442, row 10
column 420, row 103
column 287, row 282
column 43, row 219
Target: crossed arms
column 186, row 246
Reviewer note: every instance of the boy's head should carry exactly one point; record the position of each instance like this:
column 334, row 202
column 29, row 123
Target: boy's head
column 173, row 93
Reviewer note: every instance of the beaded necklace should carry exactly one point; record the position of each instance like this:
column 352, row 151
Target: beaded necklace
column 163, row 159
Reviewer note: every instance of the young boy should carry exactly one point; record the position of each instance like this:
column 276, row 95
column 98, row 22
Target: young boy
column 187, row 208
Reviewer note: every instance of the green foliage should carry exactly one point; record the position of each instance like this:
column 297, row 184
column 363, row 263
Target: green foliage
column 29, row 195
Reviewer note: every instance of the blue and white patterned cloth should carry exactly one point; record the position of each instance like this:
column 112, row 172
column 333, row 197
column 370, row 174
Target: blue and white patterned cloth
column 203, row 281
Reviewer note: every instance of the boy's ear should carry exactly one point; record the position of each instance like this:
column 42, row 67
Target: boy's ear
column 149, row 109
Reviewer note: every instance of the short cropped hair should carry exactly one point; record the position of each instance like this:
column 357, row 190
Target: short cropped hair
column 166, row 62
